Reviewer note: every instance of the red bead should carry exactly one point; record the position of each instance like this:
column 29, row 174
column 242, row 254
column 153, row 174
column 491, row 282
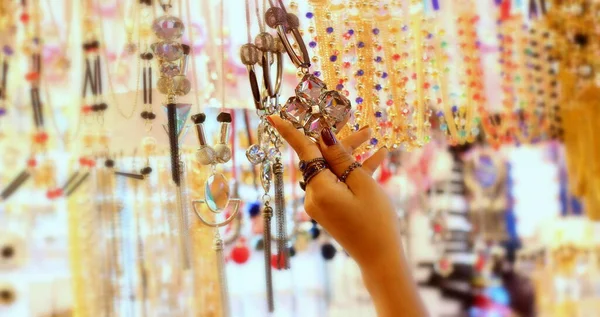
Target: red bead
column 347, row 64
column 414, row 76
column 58, row 192
column 277, row 261
column 82, row 161
column 389, row 102
column 41, row 137
column 346, row 93
column 336, row 52
column 31, row 162
column 439, row 101
column 32, row 76
column 347, row 36
column 426, row 85
column 437, row 228
column 86, row 109
column 396, row 57
column 240, row 254
column 50, row 194
column 24, row 17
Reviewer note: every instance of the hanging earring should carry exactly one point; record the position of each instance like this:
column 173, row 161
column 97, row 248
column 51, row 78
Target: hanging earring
column 217, row 195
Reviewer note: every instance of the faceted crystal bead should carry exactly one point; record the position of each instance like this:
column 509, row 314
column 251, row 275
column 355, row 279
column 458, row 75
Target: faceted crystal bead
column 310, row 89
column 164, row 85
column 169, row 69
column 167, row 51
column 266, row 176
column 168, row 28
column 216, row 192
column 314, row 125
column 181, row 85
column 255, row 154
column 295, row 111
column 273, row 154
column 205, row 155
column 335, row 106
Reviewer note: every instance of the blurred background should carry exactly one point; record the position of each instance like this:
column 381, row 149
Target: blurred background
column 488, row 108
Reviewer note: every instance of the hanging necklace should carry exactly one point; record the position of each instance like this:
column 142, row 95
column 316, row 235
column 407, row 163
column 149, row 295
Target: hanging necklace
column 172, row 58
column 266, row 153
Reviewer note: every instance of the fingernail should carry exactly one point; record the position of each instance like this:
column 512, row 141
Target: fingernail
column 328, row 137
column 363, row 127
column 270, row 120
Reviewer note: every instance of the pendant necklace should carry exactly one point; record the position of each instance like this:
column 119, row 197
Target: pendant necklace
column 172, row 58
column 266, row 153
column 216, row 192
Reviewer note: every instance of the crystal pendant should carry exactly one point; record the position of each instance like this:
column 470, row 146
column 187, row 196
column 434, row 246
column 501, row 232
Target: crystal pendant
column 181, row 85
column 168, row 27
column 314, row 125
column 169, row 69
column 216, row 192
column 255, row 154
column 164, row 85
column 295, row 111
column 310, row 89
column 273, row 154
column 182, row 111
column 266, row 176
column 335, row 106
column 167, row 51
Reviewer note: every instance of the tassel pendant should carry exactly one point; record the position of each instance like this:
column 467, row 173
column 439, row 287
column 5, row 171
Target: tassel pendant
column 218, row 247
column 280, row 216
column 267, row 214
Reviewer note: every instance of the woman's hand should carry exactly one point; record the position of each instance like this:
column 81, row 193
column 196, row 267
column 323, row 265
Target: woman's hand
column 358, row 214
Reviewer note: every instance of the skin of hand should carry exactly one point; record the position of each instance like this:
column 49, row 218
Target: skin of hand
column 359, row 215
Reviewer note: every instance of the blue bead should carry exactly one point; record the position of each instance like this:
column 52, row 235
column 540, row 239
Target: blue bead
column 312, row 44
column 351, row 31
column 378, row 87
column 317, row 73
column 375, row 31
column 2, row 111
column 309, row 15
column 333, row 58
column 374, row 141
column 384, row 75
column 339, row 87
column 329, row 30
column 454, row 108
column 429, row 35
column 360, row 72
column 359, row 100
column 361, row 44
column 356, row 127
column 440, row 114
column 378, row 59
column 378, row 114
column 405, row 28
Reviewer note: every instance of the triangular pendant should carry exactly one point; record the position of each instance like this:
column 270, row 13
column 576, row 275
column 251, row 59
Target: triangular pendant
column 182, row 111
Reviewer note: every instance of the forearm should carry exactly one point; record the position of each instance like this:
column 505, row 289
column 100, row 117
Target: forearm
column 392, row 288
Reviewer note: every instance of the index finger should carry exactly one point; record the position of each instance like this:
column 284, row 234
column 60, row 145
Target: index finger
column 303, row 146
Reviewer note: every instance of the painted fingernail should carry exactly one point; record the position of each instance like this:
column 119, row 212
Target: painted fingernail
column 363, row 127
column 328, row 137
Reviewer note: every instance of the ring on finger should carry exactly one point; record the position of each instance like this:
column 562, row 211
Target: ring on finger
column 311, row 170
column 349, row 170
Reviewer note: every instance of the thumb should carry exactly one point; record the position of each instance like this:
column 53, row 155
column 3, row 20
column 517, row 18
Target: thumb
column 339, row 160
